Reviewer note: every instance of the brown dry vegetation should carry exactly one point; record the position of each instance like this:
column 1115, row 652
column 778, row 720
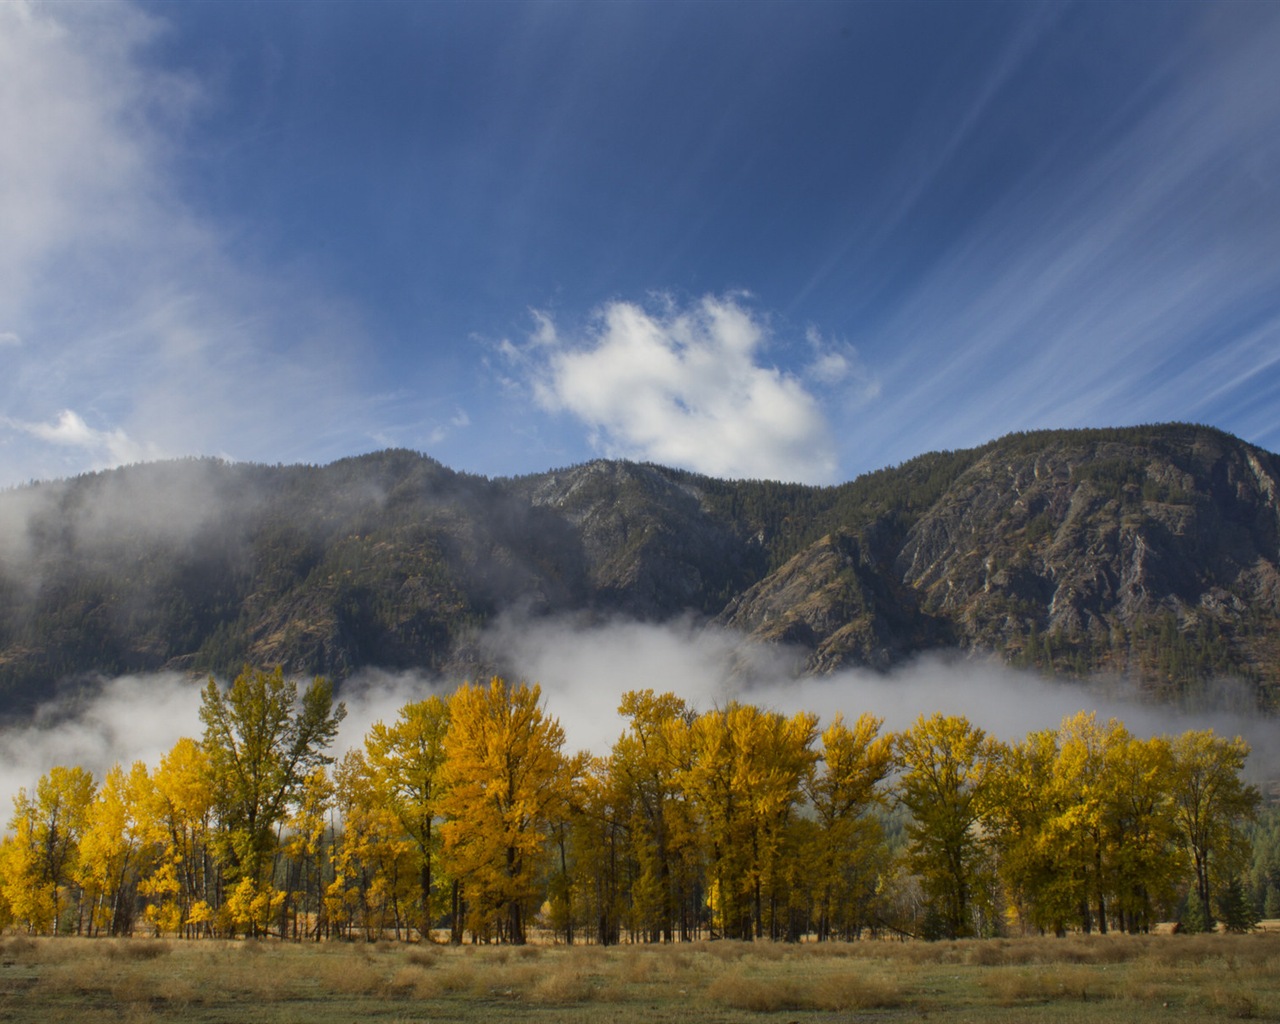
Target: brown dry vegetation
column 1094, row 978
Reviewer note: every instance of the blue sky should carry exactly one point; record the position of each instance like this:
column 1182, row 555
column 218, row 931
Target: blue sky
column 794, row 241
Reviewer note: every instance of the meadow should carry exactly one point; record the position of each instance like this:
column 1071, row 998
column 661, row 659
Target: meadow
column 1078, row 978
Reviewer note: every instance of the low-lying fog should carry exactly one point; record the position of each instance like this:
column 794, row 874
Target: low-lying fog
column 583, row 671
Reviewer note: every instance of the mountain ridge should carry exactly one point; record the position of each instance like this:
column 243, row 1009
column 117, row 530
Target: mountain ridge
column 1151, row 552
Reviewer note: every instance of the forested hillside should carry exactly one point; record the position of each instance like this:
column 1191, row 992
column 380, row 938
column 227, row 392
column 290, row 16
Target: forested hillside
column 1148, row 552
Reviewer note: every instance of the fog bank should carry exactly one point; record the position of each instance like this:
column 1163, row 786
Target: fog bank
column 584, row 670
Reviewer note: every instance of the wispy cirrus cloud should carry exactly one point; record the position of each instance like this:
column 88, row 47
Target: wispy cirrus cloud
column 129, row 325
column 690, row 386
column 1140, row 287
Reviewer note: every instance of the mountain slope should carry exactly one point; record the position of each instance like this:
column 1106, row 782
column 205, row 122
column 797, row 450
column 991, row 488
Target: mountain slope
column 1151, row 552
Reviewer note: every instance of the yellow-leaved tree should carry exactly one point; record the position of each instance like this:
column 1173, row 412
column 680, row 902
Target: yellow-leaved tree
column 374, row 863
column 746, row 775
column 407, row 761
column 507, row 782
column 1033, row 866
column 40, row 863
column 946, row 765
column 182, row 887
column 307, row 831
column 118, row 848
column 1212, row 804
column 1080, row 790
column 1146, row 863
column 845, row 849
column 644, row 774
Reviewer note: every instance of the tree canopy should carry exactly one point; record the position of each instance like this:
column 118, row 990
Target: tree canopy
column 465, row 816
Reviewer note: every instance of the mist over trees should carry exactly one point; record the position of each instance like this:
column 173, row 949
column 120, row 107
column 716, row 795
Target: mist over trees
column 465, row 817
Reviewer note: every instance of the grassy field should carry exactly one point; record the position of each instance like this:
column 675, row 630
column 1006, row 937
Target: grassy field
column 1079, row 978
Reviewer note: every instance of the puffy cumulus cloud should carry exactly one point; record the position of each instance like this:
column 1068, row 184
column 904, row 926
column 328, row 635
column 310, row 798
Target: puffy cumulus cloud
column 686, row 386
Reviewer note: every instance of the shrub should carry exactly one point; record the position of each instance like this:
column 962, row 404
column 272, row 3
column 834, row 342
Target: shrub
column 856, row 992
column 759, row 994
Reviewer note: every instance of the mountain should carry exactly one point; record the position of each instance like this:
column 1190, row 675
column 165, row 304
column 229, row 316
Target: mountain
column 1151, row 552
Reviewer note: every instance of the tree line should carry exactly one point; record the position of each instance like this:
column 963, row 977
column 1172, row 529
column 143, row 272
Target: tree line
column 466, row 815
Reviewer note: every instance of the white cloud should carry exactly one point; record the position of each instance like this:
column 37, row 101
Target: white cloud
column 147, row 323
column 828, row 368
column 838, row 364
column 70, row 168
column 104, row 447
column 685, row 387
column 545, row 333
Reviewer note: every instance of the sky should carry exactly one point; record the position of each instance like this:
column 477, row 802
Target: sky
column 794, row 241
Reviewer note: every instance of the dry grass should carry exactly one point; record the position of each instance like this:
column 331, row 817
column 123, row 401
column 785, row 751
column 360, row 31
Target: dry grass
column 878, row 990
column 1102, row 978
column 561, row 987
column 424, row 956
column 1069, row 982
column 138, row 949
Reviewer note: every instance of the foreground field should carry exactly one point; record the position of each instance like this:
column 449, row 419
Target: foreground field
column 1081, row 978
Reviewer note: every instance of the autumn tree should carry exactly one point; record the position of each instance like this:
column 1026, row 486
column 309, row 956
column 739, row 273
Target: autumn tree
column 181, row 886
column 407, row 760
column 262, row 743
column 1212, row 804
column 42, row 859
column 506, row 783
column 1028, row 807
column 777, row 782
column 644, row 767
column 118, row 848
column 307, row 843
column 605, row 876
column 945, row 764
column 746, row 775
column 375, row 873
column 1081, row 790
column 1145, row 861
column 855, row 761
column 22, row 899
